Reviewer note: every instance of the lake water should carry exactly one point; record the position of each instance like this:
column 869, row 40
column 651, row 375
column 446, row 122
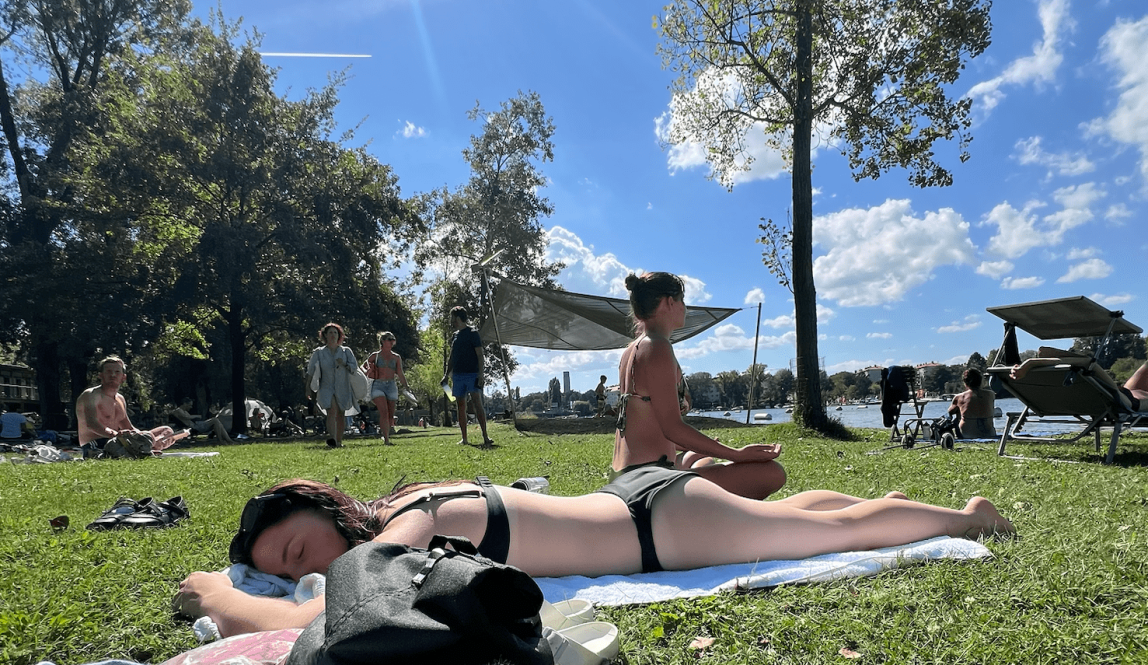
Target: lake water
column 869, row 415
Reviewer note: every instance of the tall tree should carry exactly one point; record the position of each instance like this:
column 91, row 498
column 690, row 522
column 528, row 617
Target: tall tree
column 276, row 227
column 65, row 46
column 870, row 76
column 498, row 210
column 1128, row 345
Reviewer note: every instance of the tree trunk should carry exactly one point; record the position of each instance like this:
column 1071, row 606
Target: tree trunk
column 47, row 365
column 810, row 410
column 237, row 340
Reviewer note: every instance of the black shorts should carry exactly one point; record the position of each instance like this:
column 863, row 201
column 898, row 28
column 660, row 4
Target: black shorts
column 638, row 485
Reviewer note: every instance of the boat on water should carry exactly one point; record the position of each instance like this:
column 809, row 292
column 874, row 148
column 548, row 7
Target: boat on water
column 762, row 416
column 727, row 413
column 863, row 406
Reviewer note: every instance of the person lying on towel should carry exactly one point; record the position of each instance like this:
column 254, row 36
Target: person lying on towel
column 649, row 518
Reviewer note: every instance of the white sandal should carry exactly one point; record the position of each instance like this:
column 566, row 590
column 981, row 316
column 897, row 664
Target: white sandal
column 566, row 613
column 591, row 643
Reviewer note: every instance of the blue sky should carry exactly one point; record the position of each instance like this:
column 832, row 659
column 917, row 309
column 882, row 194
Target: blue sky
column 1050, row 205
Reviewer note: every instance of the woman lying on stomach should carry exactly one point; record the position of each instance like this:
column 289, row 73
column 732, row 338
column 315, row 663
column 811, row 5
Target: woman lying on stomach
column 656, row 519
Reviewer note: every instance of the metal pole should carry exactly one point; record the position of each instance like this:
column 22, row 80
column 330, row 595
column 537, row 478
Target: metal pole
column 753, row 367
column 501, row 348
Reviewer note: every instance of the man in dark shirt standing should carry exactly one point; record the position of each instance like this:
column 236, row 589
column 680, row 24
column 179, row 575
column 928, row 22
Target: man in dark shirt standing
column 465, row 369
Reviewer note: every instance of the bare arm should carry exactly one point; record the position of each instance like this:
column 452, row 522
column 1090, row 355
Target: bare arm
column 481, row 364
column 399, row 371
column 236, row 612
column 660, row 375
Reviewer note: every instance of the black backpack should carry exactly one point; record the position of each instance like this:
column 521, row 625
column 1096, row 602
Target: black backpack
column 390, row 603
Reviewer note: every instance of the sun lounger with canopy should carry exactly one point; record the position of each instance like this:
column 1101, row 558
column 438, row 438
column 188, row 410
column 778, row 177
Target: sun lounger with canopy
column 1075, row 386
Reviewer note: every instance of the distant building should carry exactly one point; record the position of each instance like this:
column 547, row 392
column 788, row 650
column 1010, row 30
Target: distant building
column 874, row 373
column 18, row 388
column 926, row 370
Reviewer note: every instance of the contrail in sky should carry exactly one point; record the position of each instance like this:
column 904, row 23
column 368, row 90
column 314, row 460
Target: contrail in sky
column 318, row 55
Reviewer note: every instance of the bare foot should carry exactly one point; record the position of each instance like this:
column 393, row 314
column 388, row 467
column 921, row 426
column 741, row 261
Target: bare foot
column 896, row 495
column 987, row 521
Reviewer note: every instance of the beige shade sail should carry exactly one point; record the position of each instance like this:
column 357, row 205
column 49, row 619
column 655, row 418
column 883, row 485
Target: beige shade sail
column 563, row 321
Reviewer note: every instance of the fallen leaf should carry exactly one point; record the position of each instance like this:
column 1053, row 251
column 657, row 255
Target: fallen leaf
column 701, row 642
column 849, row 653
column 762, row 641
column 59, row 523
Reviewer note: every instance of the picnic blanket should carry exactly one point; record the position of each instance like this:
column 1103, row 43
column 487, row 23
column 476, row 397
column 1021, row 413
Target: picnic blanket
column 665, row 585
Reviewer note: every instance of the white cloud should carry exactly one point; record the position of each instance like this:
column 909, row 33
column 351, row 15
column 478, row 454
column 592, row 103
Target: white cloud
column 412, row 131
column 1014, row 283
column 760, row 157
column 1123, row 48
column 861, row 245
column 1038, row 68
column 1090, row 269
column 602, row 274
column 971, row 322
column 755, row 296
column 1062, row 163
column 1077, row 253
column 1018, row 231
column 878, row 335
column 846, row 338
column 1113, row 300
column 880, row 322
column 995, row 269
column 567, row 361
column 1117, row 212
column 730, row 337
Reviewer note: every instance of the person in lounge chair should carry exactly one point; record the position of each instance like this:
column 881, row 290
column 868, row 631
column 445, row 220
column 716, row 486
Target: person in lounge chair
column 649, row 520
column 976, row 407
column 650, row 429
column 1135, row 388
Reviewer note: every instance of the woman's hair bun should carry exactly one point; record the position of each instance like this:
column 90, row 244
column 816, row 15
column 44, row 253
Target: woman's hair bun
column 632, row 281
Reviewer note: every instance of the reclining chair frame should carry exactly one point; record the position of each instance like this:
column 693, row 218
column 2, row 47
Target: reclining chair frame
column 1102, row 400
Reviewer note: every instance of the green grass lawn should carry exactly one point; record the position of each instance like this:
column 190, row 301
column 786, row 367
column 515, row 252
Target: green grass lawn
column 1073, row 588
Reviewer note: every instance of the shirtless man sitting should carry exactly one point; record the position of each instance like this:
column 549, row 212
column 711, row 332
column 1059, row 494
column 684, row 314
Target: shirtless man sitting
column 101, row 412
column 976, row 407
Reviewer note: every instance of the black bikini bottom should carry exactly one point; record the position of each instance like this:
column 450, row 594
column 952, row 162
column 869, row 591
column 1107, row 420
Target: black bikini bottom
column 638, row 485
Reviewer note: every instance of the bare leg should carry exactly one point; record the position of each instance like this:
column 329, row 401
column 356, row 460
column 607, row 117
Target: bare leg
column 1138, row 383
column 461, row 402
column 336, row 422
column 220, row 431
column 690, row 517
column 824, row 500
column 753, row 480
column 480, row 413
column 692, row 460
column 380, row 403
column 392, row 406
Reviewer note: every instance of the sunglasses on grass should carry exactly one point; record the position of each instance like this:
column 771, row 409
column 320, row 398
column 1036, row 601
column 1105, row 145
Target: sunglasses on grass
column 259, row 512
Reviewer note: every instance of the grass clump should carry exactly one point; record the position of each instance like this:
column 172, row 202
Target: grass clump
column 1074, row 587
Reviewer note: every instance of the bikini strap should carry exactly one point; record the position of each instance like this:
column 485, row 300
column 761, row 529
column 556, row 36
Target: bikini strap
column 433, row 496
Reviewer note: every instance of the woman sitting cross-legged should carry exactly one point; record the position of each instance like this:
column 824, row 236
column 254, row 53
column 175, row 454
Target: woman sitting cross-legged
column 650, row 427
column 651, row 519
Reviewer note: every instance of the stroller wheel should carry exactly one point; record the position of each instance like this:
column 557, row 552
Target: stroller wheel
column 948, row 441
column 907, row 441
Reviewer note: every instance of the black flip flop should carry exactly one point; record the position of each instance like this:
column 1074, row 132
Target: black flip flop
column 114, row 516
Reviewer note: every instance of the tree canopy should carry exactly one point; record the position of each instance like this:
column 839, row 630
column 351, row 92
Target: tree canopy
column 869, row 78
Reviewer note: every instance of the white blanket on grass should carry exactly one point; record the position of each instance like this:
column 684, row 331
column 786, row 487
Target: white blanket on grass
column 652, row 587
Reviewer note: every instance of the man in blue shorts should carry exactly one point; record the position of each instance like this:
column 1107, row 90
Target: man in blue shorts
column 465, row 370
